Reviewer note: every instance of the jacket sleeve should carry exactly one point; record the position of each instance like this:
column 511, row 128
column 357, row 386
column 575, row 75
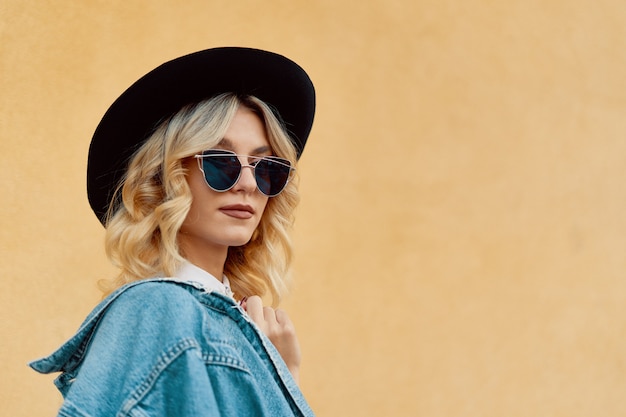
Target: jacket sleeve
column 178, row 386
column 149, row 356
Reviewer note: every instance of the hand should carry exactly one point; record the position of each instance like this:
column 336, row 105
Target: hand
column 279, row 329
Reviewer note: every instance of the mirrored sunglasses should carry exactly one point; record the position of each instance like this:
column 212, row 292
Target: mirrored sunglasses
column 222, row 170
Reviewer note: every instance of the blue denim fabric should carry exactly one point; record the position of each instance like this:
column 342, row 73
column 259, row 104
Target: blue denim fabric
column 159, row 348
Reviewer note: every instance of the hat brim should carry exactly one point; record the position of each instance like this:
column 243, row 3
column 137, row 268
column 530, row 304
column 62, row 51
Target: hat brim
column 130, row 120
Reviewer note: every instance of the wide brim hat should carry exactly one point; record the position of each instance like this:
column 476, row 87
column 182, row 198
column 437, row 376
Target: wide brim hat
column 162, row 92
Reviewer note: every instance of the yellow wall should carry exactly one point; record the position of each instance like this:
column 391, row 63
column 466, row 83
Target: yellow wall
column 462, row 232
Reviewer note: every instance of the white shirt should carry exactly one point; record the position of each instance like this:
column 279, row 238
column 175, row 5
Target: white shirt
column 199, row 278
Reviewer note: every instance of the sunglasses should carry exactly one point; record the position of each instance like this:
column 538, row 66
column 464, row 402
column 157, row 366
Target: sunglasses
column 222, row 170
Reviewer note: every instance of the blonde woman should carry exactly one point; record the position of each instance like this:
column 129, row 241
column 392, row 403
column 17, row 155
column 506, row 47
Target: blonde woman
column 192, row 173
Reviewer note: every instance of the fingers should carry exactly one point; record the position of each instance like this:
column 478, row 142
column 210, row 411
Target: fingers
column 278, row 327
column 254, row 307
column 284, row 321
column 269, row 320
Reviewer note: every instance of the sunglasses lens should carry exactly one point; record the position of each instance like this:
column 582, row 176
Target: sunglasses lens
column 271, row 176
column 221, row 169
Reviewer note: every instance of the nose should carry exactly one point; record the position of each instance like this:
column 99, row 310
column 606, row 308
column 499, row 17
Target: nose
column 246, row 181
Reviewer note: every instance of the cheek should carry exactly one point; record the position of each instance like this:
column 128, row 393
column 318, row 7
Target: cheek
column 200, row 191
column 261, row 208
column 200, row 195
column 263, row 204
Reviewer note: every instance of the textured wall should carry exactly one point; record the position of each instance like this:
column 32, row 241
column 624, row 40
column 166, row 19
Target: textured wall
column 461, row 235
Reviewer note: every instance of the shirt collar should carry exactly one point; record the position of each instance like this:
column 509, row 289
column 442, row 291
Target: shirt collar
column 191, row 274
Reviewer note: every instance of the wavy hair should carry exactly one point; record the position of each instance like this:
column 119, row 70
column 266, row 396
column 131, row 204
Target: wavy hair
column 154, row 199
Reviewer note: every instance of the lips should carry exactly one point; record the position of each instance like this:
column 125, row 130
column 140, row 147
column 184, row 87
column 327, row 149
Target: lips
column 238, row 211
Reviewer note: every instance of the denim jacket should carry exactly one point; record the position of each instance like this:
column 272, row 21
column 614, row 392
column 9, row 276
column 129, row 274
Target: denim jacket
column 162, row 348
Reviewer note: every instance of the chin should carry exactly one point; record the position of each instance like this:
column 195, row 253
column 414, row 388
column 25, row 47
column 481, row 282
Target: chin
column 239, row 240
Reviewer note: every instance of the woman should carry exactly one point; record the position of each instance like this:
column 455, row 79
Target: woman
column 191, row 171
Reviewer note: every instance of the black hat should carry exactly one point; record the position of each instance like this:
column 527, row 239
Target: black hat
column 161, row 93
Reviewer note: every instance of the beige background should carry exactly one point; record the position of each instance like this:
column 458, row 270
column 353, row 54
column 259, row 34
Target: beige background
column 461, row 239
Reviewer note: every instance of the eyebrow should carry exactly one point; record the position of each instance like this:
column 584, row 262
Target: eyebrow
column 225, row 143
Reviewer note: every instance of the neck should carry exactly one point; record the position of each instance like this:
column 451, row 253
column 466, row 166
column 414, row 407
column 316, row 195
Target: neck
column 211, row 259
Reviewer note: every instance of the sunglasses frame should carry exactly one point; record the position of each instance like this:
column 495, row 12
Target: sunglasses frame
column 256, row 160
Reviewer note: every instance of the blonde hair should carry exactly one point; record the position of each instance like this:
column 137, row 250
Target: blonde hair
column 154, row 199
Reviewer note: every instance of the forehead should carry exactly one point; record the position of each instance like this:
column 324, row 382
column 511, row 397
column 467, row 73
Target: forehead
column 246, row 134
column 226, row 144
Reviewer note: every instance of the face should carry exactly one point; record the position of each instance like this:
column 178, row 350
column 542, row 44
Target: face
column 217, row 220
